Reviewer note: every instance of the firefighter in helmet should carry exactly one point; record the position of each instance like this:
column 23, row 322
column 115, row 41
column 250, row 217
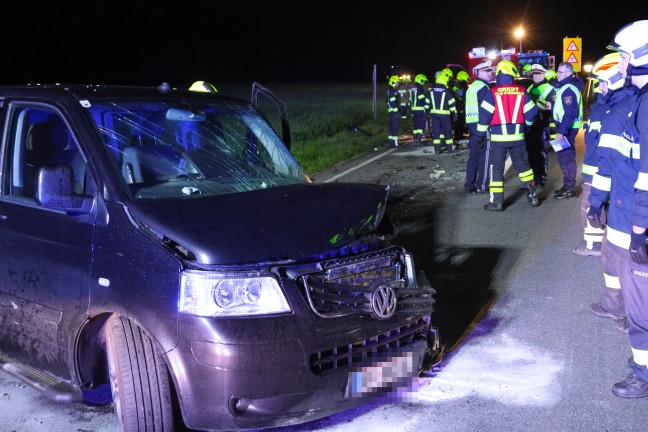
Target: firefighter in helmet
column 442, row 111
column 393, row 110
column 419, row 104
column 505, row 111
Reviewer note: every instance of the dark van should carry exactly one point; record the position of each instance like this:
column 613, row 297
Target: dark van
column 166, row 243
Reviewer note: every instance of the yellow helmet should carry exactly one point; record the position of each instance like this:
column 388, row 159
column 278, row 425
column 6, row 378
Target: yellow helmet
column 607, row 69
column 442, row 79
column 463, row 76
column 550, row 74
column 448, row 72
column 420, row 78
column 394, row 79
column 506, row 67
column 203, row 86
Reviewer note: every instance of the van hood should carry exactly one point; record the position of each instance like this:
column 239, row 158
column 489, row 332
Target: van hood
column 283, row 223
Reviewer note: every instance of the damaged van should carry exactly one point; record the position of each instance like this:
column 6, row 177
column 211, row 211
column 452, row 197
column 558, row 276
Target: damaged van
column 167, row 245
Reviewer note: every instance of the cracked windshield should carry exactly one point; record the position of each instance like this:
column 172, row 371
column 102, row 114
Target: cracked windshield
column 180, row 149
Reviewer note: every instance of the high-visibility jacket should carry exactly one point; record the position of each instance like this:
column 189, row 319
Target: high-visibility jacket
column 418, row 98
column 442, row 100
column 617, row 171
column 392, row 100
column 507, row 110
column 474, row 96
column 639, row 123
column 592, row 129
column 568, row 108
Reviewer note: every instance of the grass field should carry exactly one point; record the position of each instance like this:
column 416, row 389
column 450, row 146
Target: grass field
column 329, row 122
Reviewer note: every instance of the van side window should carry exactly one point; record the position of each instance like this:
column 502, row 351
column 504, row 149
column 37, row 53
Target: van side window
column 39, row 137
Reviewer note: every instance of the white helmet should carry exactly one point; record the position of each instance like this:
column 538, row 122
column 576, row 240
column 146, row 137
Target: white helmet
column 633, row 40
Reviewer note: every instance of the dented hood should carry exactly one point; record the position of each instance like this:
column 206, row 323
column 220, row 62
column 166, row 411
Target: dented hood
column 283, row 223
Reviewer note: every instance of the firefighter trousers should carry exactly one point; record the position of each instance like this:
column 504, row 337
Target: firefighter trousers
column 612, row 262
column 634, row 284
column 477, row 164
column 394, row 125
column 441, row 131
column 498, row 160
column 592, row 236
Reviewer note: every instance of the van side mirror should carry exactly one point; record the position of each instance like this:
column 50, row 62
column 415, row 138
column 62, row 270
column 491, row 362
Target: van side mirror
column 54, row 189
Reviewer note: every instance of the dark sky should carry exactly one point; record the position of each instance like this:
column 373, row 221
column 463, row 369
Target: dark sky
column 140, row 42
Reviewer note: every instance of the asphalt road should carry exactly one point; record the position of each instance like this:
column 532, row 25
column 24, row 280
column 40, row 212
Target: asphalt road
column 523, row 351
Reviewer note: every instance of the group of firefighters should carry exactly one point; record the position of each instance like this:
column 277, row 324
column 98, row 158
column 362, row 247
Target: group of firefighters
column 437, row 107
column 505, row 117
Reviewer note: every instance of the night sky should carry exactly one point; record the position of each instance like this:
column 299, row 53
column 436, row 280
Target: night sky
column 140, row 42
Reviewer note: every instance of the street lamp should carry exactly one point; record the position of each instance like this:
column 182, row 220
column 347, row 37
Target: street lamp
column 518, row 34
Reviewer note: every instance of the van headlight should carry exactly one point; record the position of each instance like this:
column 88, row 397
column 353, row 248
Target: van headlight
column 206, row 293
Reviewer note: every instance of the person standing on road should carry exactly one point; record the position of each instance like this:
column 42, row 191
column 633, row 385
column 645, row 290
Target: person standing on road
column 612, row 188
column 459, row 91
column 478, row 147
column 632, row 42
column 568, row 116
column 506, row 111
column 419, row 104
column 537, row 136
column 393, row 110
column 442, row 110
column 609, row 87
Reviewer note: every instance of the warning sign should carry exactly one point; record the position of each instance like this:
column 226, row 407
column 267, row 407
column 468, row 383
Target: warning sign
column 572, row 52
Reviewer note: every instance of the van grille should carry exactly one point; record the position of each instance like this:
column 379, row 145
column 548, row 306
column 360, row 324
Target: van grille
column 363, row 351
column 346, row 286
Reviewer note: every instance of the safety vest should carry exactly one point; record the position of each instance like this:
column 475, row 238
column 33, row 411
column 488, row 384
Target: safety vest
column 559, row 109
column 472, row 101
column 507, row 113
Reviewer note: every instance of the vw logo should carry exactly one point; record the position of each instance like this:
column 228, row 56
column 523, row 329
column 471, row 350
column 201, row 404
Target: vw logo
column 383, row 302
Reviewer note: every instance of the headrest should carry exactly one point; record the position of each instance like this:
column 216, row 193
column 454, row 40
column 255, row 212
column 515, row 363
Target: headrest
column 47, row 136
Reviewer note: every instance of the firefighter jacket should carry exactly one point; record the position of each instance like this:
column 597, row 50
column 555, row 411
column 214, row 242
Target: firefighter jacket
column 617, row 171
column 418, row 98
column 568, row 107
column 442, row 100
column 592, row 128
column 637, row 133
column 474, row 97
column 392, row 100
column 507, row 110
column 541, row 93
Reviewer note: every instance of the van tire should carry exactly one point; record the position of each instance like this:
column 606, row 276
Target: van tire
column 139, row 379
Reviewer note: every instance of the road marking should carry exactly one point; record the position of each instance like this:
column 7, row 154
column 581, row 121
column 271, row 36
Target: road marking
column 361, row 165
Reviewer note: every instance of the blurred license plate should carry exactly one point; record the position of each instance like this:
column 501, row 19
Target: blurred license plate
column 396, row 371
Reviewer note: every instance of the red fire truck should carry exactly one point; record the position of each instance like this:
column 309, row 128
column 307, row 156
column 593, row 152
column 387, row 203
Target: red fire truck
column 480, row 54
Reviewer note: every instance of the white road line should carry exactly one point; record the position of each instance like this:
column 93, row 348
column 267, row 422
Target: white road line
column 361, row 165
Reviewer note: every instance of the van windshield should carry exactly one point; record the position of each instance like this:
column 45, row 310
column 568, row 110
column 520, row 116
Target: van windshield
column 177, row 148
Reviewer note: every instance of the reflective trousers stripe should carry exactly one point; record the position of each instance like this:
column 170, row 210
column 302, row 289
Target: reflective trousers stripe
column 611, row 282
column 617, row 238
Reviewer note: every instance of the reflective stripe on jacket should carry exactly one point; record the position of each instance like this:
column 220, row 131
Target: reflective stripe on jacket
column 474, row 97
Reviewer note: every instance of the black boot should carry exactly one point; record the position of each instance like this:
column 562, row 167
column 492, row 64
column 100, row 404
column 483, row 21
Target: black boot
column 532, row 197
column 494, row 207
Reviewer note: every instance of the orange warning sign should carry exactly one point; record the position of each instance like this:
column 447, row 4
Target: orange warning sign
column 572, row 52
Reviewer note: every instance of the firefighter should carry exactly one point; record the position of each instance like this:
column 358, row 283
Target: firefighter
column 632, row 41
column 477, row 164
column 203, row 86
column 537, row 136
column 505, row 112
column 567, row 112
column 611, row 194
column 442, row 113
column 608, row 84
column 403, row 95
column 419, row 104
column 393, row 110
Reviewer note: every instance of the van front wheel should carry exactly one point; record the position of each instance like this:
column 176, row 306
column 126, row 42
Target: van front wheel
column 139, row 378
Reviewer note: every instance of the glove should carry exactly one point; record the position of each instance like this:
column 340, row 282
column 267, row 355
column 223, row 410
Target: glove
column 594, row 217
column 638, row 248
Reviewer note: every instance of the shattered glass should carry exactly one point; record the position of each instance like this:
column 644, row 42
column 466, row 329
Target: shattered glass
column 175, row 148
